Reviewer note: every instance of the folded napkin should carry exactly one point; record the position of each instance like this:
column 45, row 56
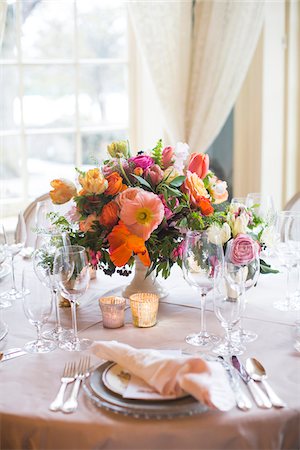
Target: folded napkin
column 169, row 375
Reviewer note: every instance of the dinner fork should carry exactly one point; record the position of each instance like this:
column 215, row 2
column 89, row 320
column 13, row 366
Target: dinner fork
column 82, row 372
column 68, row 377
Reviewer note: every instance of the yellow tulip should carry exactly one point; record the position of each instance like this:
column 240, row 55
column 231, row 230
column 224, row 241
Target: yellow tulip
column 93, row 182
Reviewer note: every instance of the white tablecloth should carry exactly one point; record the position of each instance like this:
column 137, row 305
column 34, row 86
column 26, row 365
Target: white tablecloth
column 28, row 384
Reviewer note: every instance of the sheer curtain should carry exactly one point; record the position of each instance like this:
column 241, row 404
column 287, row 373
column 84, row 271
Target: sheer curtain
column 198, row 53
column 3, row 7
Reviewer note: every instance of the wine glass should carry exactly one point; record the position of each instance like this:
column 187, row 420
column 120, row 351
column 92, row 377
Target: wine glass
column 3, row 255
column 43, row 260
column 202, row 266
column 262, row 205
column 229, row 301
column 288, row 251
column 14, row 242
column 37, row 307
column 244, row 254
column 71, row 270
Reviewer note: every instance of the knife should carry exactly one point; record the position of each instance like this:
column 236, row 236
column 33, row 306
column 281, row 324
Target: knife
column 241, row 399
column 12, row 353
column 259, row 396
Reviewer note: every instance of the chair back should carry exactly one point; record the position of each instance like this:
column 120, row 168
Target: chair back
column 293, row 204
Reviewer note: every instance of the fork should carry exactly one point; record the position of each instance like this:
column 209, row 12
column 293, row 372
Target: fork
column 68, row 377
column 82, row 372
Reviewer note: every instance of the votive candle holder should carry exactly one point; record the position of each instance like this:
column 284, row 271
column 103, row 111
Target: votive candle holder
column 144, row 307
column 113, row 311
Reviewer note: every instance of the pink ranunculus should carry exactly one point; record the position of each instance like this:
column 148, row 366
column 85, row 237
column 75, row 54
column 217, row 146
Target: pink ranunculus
column 167, row 157
column 199, row 163
column 155, row 174
column 143, row 161
column 126, row 196
column 142, row 214
column 243, row 250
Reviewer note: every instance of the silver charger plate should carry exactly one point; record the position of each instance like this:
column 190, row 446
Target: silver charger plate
column 107, row 399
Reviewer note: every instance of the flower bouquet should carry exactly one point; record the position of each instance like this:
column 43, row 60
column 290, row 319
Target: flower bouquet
column 141, row 206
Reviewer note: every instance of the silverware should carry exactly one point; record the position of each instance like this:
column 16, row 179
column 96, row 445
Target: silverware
column 258, row 373
column 67, row 377
column 82, row 372
column 259, row 396
column 12, row 353
column 241, row 399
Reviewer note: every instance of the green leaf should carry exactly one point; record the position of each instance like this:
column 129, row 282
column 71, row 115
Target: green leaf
column 177, row 182
column 157, row 153
column 142, row 181
column 266, row 268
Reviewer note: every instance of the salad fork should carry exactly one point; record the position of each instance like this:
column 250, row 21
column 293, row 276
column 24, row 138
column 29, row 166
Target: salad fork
column 68, row 377
column 82, row 372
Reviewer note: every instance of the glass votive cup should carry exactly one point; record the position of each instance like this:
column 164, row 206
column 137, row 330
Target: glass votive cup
column 144, row 307
column 113, row 311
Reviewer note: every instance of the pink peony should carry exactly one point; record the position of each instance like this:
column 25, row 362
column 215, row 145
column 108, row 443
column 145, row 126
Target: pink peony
column 167, row 157
column 243, row 250
column 143, row 161
column 142, row 214
column 198, row 163
column 155, row 174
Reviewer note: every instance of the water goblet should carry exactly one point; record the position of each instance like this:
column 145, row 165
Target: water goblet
column 202, row 266
column 262, row 205
column 14, row 242
column 71, row 271
column 228, row 306
column 288, row 251
column 43, row 261
column 37, row 306
column 243, row 253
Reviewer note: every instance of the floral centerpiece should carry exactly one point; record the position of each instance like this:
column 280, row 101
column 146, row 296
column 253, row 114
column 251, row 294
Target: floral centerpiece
column 141, row 206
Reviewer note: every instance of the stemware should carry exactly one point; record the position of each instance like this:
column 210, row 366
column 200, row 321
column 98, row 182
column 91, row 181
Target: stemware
column 202, row 268
column 71, row 270
column 37, row 307
column 251, row 270
column 14, row 242
column 288, row 251
column 229, row 301
column 262, row 205
column 43, row 260
column 4, row 303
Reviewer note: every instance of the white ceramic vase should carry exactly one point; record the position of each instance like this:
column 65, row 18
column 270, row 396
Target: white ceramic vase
column 141, row 283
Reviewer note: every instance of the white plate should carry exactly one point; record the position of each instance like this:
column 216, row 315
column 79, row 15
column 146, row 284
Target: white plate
column 4, row 270
column 116, row 379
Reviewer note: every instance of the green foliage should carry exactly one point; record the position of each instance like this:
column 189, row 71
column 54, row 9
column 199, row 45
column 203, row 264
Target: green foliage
column 157, row 153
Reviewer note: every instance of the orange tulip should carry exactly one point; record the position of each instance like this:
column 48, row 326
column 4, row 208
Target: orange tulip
column 199, row 163
column 109, row 215
column 63, row 191
column 123, row 244
column 93, row 182
column 115, row 184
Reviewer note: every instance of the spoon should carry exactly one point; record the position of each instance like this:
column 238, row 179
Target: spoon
column 258, row 373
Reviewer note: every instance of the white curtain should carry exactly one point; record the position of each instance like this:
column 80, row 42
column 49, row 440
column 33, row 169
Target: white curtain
column 3, row 7
column 198, row 54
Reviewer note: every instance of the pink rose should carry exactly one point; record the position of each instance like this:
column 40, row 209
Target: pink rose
column 243, row 250
column 155, row 174
column 143, row 161
column 199, row 163
column 167, row 156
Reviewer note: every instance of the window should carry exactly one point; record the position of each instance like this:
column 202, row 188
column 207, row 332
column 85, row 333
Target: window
column 64, row 91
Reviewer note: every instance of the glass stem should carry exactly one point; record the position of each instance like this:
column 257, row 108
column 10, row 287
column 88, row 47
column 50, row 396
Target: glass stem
column 13, row 274
column 228, row 338
column 56, row 306
column 74, row 321
column 203, row 321
column 39, row 333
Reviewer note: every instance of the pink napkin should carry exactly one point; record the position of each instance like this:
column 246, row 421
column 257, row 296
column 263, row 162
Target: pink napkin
column 169, row 375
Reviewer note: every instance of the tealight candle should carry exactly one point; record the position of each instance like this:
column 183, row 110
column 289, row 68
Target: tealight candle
column 113, row 309
column 144, row 307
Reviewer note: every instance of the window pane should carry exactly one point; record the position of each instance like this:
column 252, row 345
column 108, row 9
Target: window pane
column 102, row 29
column 94, row 146
column 47, row 29
column 49, row 99
column 10, row 103
column 10, row 167
column 49, row 157
column 103, row 98
column 9, row 44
